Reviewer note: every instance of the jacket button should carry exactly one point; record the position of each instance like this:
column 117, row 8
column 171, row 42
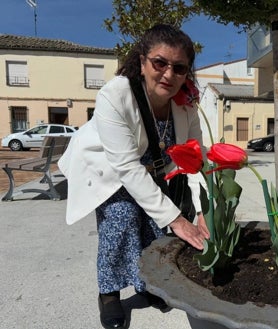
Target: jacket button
column 89, row 183
column 99, row 172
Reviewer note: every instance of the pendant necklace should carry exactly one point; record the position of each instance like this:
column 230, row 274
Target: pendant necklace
column 161, row 143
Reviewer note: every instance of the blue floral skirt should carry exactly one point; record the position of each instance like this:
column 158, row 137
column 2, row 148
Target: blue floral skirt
column 124, row 230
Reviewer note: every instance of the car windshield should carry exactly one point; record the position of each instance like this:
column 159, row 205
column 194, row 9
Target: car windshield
column 38, row 130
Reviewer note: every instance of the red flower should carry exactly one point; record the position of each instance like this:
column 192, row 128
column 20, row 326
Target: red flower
column 188, row 157
column 227, row 156
column 187, row 94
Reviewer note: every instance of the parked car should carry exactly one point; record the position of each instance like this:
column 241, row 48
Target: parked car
column 265, row 144
column 34, row 137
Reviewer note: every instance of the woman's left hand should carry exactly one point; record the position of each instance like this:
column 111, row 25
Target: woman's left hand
column 202, row 226
column 193, row 234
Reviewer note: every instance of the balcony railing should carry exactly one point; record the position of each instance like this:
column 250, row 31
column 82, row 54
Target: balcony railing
column 17, row 81
column 94, row 83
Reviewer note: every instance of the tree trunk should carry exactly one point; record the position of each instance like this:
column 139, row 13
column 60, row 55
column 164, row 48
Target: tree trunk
column 274, row 32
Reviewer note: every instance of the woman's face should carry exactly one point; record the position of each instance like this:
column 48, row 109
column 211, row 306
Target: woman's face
column 164, row 69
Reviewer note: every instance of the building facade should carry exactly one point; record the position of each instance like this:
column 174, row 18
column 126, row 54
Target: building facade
column 49, row 81
column 235, row 111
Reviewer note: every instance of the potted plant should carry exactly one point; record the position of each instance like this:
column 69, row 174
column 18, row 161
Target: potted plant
column 223, row 253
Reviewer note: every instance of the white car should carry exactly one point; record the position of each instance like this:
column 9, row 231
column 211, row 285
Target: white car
column 34, row 137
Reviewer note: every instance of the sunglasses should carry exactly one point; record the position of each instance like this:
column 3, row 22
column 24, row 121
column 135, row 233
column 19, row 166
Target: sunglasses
column 161, row 65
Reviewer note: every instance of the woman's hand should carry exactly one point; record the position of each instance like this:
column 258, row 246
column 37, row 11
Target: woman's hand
column 193, row 234
column 201, row 223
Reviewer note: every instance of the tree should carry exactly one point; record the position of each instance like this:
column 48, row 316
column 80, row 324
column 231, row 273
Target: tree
column 132, row 17
column 246, row 13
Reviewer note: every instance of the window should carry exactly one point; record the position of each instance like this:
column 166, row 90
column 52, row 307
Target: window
column 56, row 130
column 242, row 129
column 38, row 130
column 90, row 113
column 94, row 76
column 18, row 118
column 270, row 126
column 69, row 130
column 17, row 74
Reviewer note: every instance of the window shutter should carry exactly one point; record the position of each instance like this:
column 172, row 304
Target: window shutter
column 94, row 76
column 17, row 73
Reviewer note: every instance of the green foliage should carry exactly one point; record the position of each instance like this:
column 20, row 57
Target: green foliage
column 219, row 250
column 274, row 200
column 240, row 12
column 131, row 18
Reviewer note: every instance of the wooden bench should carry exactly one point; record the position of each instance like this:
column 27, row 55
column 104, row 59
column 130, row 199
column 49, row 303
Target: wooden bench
column 50, row 152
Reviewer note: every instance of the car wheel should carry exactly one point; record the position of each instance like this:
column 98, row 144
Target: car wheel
column 268, row 147
column 15, row 145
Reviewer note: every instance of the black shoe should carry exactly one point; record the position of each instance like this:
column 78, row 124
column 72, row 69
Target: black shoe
column 112, row 314
column 155, row 301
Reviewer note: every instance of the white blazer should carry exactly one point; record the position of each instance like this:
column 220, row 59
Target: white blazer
column 104, row 154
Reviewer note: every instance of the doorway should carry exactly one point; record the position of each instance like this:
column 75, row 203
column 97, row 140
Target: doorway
column 58, row 115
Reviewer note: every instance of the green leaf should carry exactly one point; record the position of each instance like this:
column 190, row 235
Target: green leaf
column 209, row 257
column 204, row 199
column 232, row 240
column 275, row 248
column 230, row 187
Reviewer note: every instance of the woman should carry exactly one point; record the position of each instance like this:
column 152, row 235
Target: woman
column 108, row 159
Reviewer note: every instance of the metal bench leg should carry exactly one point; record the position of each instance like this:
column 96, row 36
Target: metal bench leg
column 52, row 193
column 9, row 195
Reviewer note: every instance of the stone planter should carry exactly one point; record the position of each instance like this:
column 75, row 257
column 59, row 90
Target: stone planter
column 205, row 311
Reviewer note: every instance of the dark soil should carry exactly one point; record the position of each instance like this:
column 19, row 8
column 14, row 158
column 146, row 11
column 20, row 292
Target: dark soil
column 252, row 275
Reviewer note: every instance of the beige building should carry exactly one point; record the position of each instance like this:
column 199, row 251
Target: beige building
column 235, row 109
column 49, row 81
column 55, row 81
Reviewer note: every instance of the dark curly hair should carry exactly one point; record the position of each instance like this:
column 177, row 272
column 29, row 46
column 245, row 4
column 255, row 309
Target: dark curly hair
column 161, row 33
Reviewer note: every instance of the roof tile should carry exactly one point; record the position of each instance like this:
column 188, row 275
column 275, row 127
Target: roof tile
column 41, row 44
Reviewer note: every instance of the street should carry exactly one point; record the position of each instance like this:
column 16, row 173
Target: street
column 252, row 204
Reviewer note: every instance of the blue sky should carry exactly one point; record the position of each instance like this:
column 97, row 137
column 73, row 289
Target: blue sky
column 81, row 21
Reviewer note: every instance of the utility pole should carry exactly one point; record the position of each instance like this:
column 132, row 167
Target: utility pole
column 33, row 5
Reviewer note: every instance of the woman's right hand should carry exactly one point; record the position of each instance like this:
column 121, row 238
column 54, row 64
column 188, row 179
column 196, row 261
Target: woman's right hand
column 193, row 234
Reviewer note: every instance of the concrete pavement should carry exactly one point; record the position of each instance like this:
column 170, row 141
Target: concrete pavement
column 48, row 269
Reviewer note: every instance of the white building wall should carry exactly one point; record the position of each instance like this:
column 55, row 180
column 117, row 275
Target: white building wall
column 208, row 104
column 238, row 73
column 213, row 73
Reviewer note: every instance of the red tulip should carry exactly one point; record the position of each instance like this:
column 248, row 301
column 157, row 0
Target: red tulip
column 227, row 156
column 187, row 94
column 188, row 157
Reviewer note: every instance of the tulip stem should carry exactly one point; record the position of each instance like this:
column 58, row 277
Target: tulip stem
column 211, row 210
column 255, row 172
column 207, row 122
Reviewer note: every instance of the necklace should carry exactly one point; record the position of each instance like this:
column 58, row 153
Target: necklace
column 161, row 143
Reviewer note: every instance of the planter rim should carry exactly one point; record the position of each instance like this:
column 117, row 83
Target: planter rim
column 162, row 277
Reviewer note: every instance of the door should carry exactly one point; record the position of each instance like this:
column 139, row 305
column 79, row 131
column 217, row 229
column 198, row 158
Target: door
column 58, row 115
column 34, row 136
